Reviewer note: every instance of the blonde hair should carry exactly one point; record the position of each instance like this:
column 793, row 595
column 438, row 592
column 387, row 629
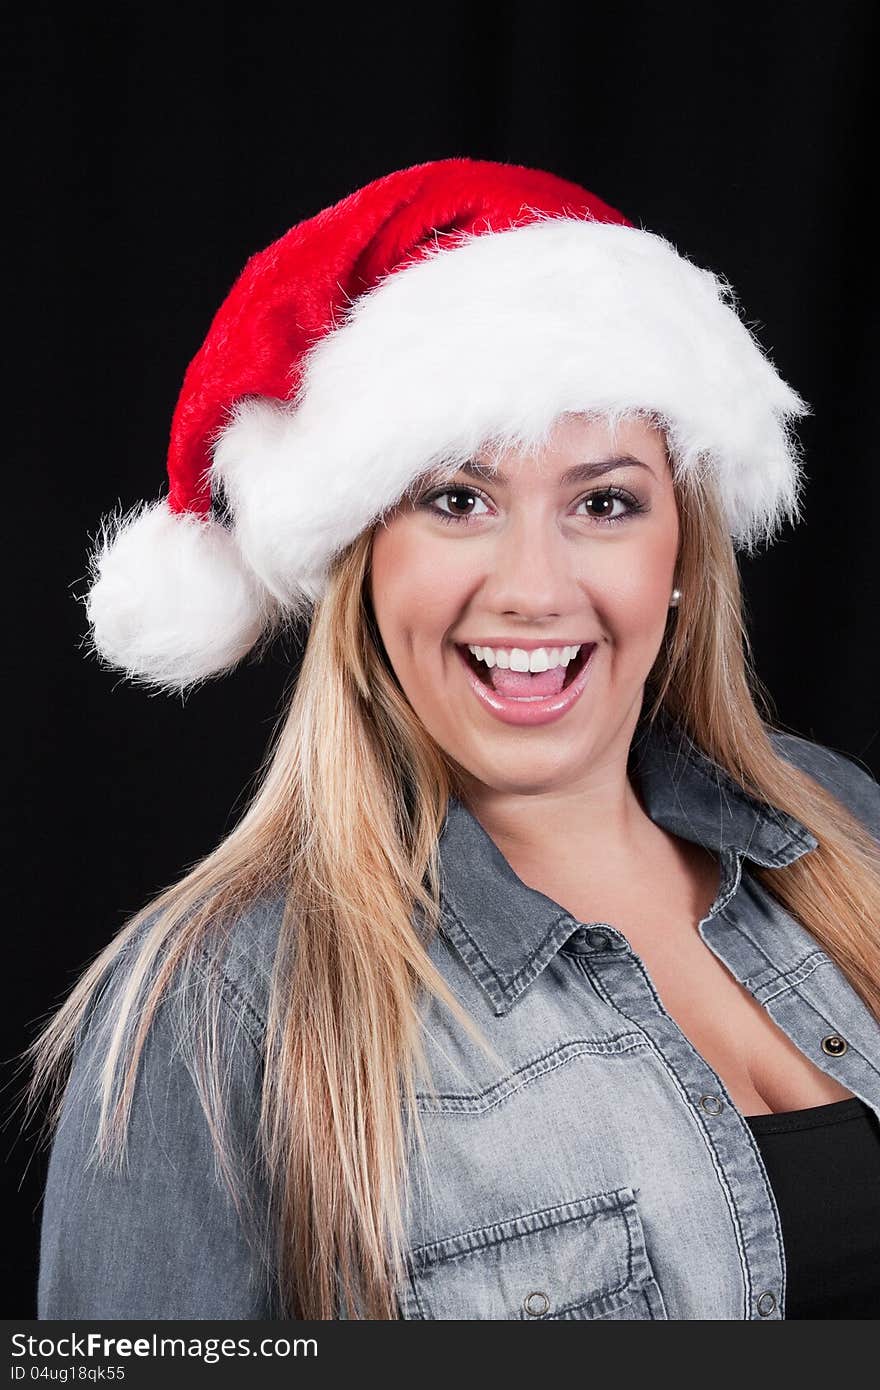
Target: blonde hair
column 345, row 822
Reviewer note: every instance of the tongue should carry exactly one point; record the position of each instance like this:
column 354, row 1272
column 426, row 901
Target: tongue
column 516, row 684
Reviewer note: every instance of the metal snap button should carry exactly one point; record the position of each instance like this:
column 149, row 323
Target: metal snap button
column 536, row 1304
column 599, row 940
column 766, row 1303
column 834, row 1045
column 713, row 1105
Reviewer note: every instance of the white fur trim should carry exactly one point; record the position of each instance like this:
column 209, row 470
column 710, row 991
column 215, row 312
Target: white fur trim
column 494, row 338
column 171, row 601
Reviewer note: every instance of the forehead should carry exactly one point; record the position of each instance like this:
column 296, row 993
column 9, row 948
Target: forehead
column 577, row 449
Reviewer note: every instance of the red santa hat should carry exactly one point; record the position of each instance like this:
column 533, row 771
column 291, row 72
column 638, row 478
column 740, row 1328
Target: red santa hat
column 436, row 309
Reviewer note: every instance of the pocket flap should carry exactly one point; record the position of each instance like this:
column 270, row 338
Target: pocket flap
column 581, row 1259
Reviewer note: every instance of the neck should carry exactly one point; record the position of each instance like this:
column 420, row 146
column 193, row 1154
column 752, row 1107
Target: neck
column 596, row 819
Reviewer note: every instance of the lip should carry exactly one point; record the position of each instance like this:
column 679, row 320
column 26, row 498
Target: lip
column 530, row 645
column 529, row 712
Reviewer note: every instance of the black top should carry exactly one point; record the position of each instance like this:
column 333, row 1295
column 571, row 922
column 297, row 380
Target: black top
column 824, row 1168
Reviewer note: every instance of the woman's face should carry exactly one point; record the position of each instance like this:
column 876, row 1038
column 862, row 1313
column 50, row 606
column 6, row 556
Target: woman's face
column 533, row 557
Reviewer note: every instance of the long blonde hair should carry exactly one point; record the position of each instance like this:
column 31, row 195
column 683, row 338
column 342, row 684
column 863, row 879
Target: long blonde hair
column 345, row 823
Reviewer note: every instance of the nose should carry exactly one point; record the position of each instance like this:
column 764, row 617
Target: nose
column 531, row 568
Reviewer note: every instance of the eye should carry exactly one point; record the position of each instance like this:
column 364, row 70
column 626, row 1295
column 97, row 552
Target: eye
column 460, row 494
column 465, row 496
column 608, row 497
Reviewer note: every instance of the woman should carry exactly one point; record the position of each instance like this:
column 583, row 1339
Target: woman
column 536, row 924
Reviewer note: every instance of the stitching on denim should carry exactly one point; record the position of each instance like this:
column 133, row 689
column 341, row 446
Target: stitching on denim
column 506, row 984
column 704, row 1130
column 597, row 1204
column 655, row 1305
column 649, row 1293
column 618, row 1288
column 613, row 1194
column 413, row 1284
column 771, row 969
column 622, row 1203
column 792, row 976
column 480, row 1250
column 229, row 988
column 752, row 1144
column 609, row 1301
column 820, row 1013
column 763, row 809
column 473, row 955
column 732, row 870
column 743, row 929
column 570, row 1051
column 789, row 979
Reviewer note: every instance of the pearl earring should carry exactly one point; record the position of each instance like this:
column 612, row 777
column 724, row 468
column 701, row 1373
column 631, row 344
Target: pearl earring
column 676, row 595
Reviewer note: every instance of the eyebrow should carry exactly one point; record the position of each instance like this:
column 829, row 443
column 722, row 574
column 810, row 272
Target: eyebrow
column 580, row 473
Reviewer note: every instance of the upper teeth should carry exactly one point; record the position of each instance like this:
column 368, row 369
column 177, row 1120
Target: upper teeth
column 516, row 659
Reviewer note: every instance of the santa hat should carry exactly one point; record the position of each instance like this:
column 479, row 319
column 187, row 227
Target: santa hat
column 438, row 308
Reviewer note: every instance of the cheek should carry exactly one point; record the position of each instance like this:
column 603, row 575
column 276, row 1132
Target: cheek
column 633, row 584
column 413, row 591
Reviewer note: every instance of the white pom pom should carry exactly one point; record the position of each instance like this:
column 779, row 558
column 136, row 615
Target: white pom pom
column 172, row 602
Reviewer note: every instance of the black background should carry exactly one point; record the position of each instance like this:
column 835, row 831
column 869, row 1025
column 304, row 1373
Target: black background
column 152, row 151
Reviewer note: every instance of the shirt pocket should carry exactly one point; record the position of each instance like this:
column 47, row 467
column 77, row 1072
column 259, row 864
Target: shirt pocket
column 581, row 1259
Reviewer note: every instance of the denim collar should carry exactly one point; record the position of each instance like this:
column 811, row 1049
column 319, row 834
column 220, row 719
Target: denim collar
column 507, row 932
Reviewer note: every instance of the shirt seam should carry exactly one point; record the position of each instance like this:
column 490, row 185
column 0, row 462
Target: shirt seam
column 820, row 1013
column 526, row 969
column 245, row 1013
column 772, row 975
column 555, row 1058
column 743, row 929
column 717, row 1164
column 763, row 809
column 751, row 1139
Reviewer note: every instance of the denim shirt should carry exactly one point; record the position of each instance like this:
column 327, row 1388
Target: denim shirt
column 602, row 1171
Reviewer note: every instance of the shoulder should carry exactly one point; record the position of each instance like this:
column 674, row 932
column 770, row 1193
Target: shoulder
column 243, row 956
column 840, row 773
column 188, row 1191
column 231, row 965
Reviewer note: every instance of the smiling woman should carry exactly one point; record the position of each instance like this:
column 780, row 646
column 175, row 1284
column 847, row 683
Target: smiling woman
column 535, row 915
column 535, row 569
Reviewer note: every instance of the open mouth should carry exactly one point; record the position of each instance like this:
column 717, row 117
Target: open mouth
column 572, row 670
